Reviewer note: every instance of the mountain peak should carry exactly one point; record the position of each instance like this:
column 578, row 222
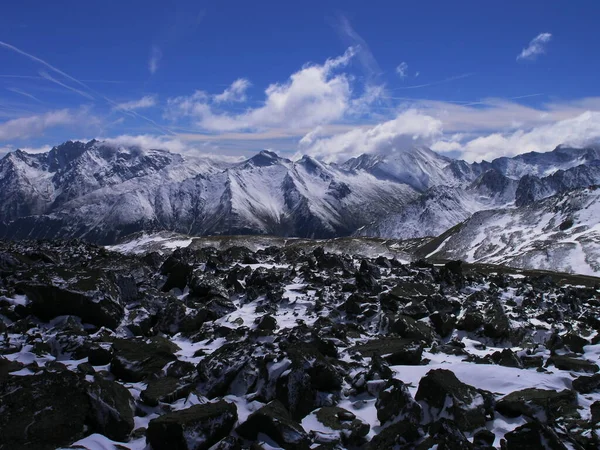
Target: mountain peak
column 265, row 158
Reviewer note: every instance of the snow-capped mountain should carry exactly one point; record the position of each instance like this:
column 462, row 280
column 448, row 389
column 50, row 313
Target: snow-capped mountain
column 558, row 233
column 100, row 192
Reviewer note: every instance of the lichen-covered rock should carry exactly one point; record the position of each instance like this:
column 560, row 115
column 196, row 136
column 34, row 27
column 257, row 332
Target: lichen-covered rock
column 345, row 427
column 167, row 389
column 196, row 428
column 565, row 362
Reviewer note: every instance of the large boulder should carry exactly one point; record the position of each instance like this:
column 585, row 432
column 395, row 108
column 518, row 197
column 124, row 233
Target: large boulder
column 195, row 428
column 443, row 395
column 167, row 389
column 89, row 295
column 136, row 360
column 541, row 404
column 111, row 409
column 42, row 411
column 396, row 403
column 533, row 436
column 276, row 422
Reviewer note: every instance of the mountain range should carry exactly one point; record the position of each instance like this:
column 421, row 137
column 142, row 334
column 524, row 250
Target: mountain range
column 103, row 192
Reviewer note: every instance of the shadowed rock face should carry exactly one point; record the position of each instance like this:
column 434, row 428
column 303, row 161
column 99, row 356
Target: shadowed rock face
column 293, row 346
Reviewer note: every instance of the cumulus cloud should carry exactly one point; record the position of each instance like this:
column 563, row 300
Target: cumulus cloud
column 536, row 47
column 314, row 95
column 234, row 93
column 36, row 125
column 146, row 101
column 402, row 70
column 408, row 129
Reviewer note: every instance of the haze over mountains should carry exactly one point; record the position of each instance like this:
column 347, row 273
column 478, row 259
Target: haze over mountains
column 101, row 193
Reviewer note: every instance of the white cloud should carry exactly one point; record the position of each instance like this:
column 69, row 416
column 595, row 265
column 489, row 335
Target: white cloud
column 409, row 128
column 402, row 70
column 32, row 126
column 578, row 131
column 536, row 47
column 155, row 57
column 314, row 95
column 234, row 93
column 145, row 102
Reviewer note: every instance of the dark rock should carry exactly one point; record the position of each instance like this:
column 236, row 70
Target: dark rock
column 136, row 360
column 484, row 439
column 111, row 409
column 575, row 364
column 595, row 412
column 395, row 403
column 543, row 405
column 497, row 324
column 410, row 355
column 267, row 323
column 90, row 296
column 445, row 434
column 178, row 274
column 407, row 327
column 56, row 400
column 397, row 435
column 195, row 428
column 99, row 356
column 506, row 358
column 276, row 422
column 443, row 323
column 166, row 390
column 446, row 396
column 587, row 384
column 533, row 436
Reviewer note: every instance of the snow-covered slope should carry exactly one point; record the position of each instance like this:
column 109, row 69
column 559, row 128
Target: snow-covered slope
column 558, row 233
column 442, row 207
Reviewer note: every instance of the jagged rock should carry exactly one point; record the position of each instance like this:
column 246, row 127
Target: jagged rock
column 166, row 390
column 88, row 295
column 407, row 327
column 401, row 434
column 484, row 439
column 395, row 403
column 276, row 422
column 178, row 273
column 496, row 324
column 533, row 436
column 135, row 360
column 506, row 358
column 445, row 434
column 445, row 395
column 99, row 356
column 574, row 364
column 111, row 409
column 196, row 428
column 410, row 355
column 443, row 323
column 587, row 384
column 543, row 405
column 43, row 411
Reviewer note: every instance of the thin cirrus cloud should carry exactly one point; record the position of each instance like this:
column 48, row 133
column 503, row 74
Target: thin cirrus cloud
column 154, row 60
column 24, row 94
column 402, row 70
column 35, row 125
column 147, row 101
column 536, row 47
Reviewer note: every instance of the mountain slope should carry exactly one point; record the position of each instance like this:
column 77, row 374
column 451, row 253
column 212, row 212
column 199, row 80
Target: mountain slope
column 559, row 233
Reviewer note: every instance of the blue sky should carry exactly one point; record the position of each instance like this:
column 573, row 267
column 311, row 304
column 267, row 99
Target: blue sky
column 332, row 79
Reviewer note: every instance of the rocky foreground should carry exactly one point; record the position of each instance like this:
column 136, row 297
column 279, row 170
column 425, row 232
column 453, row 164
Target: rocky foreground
column 291, row 348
